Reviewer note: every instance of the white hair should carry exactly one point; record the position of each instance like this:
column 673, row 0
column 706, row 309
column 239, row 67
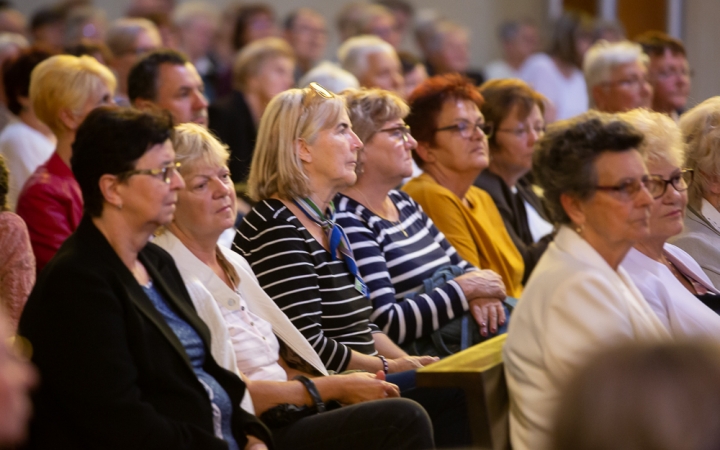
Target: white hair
column 189, row 11
column 604, row 56
column 353, row 54
column 8, row 40
column 330, row 76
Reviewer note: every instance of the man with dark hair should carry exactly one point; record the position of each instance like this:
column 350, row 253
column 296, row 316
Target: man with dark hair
column 668, row 72
column 165, row 79
column 47, row 27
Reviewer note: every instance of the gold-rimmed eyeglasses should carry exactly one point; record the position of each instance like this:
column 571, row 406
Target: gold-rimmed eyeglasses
column 321, row 91
column 400, row 131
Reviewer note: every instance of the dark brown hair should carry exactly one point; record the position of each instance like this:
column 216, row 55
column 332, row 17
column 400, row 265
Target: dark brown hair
column 245, row 15
column 654, row 43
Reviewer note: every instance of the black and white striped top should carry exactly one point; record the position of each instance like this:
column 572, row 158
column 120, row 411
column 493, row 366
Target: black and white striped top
column 394, row 266
column 316, row 293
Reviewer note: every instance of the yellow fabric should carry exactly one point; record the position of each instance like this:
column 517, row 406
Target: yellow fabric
column 477, row 232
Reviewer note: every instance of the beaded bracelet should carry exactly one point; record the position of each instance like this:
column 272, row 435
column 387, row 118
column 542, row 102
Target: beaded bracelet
column 386, row 367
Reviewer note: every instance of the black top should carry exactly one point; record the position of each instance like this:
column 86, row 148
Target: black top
column 113, row 373
column 512, row 211
column 317, row 293
column 232, row 122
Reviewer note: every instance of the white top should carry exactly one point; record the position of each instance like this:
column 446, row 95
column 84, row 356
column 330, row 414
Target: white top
column 568, row 95
column 244, row 319
column 573, row 305
column 24, row 149
column 678, row 309
column 500, row 69
column 539, row 227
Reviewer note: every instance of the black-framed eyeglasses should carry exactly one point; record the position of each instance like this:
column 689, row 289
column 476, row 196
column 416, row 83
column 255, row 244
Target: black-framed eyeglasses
column 401, row 131
column 681, row 182
column 654, row 184
column 522, row 132
column 466, row 129
column 166, row 172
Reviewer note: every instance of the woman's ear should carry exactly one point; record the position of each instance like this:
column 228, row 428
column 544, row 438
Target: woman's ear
column 303, row 150
column 573, row 208
column 69, row 119
column 424, row 152
column 109, row 185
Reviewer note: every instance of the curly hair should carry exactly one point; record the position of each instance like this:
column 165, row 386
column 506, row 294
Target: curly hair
column 370, row 109
column 564, row 158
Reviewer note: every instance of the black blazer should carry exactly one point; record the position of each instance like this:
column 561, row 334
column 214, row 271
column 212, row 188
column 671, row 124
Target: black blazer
column 514, row 217
column 232, row 122
column 113, row 373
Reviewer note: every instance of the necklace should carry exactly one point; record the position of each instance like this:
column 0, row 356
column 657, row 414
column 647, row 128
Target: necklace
column 396, row 224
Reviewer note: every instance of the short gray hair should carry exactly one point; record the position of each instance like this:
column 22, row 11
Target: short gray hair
column 604, row 56
column 701, row 130
column 123, row 32
column 331, row 76
column 353, row 54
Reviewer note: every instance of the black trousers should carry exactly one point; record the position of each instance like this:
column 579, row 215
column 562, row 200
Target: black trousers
column 395, row 423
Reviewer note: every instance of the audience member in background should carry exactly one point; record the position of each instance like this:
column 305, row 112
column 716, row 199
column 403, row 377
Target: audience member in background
column 133, row 368
column 374, row 63
column 63, row 90
column 404, row 13
column 414, row 72
column 616, row 76
column 668, row 72
column 558, row 74
column 640, row 397
column 452, row 150
column 253, row 21
column 11, row 44
column 398, row 247
column 242, row 317
column 517, row 113
column 359, row 18
column 47, row 28
column 701, row 236
column 97, row 50
column 85, row 22
column 448, row 51
column 17, row 263
column 12, row 20
column 519, row 39
column 306, row 32
column 667, row 277
column 28, row 142
column 608, row 30
column 195, row 25
column 164, row 26
column 262, row 69
column 330, row 76
column 578, row 299
column 17, row 379
column 165, row 79
column 128, row 40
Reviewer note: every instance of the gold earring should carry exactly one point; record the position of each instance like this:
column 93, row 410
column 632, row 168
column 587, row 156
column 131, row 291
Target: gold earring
column 578, row 229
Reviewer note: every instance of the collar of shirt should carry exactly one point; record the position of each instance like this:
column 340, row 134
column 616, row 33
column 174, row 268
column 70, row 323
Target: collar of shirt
column 711, row 214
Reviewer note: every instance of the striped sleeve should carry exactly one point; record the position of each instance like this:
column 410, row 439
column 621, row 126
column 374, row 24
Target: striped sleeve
column 279, row 256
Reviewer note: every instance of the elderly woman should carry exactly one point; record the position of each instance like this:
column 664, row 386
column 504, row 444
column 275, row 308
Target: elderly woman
column 701, row 237
column 578, row 300
column 133, row 368
column 452, row 150
column 306, row 153
column 226, row 294
column 517, row 111
column 261, row 70
column 669, row 278
column 63, row 90
column 396, row 245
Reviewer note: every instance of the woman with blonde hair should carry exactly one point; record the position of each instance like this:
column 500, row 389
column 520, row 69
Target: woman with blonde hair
column 669, row 278
column 63, row 90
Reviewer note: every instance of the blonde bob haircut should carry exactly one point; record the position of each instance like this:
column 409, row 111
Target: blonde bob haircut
column 662, row 137
column 370, row 109
column 66, row 81
column 194, row 144
column 250, row 59
column 291, row 116
column 701, row 130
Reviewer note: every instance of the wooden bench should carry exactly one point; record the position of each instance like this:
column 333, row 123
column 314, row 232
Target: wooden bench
column 479, row 372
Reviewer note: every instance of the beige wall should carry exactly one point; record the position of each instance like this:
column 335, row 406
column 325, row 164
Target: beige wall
column 701, row 35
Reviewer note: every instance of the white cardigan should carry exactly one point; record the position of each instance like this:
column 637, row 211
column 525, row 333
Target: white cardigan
column 205, row 286
column 573, row 305
column 681, row 312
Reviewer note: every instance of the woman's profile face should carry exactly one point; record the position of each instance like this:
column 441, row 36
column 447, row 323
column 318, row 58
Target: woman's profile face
column 667, row 212
column 616, row 219
column 147, row 200
column 388, row 152
column 206, row 206
column 460, row 145
column 514, row 140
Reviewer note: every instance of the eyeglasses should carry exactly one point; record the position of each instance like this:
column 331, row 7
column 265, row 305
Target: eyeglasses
column 628, row 189
column 321, row 91
column 466, row 129
column 632, row 83
column 681, row 182
column 522, row 132
column 674, row 72
column 166, row 172
column 400, row 131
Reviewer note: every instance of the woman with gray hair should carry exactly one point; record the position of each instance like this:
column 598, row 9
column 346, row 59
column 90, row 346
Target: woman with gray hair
column 701, row 238
column 669, row 278
column 579, row 299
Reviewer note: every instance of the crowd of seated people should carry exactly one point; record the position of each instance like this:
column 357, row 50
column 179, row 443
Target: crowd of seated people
column 213, row 237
